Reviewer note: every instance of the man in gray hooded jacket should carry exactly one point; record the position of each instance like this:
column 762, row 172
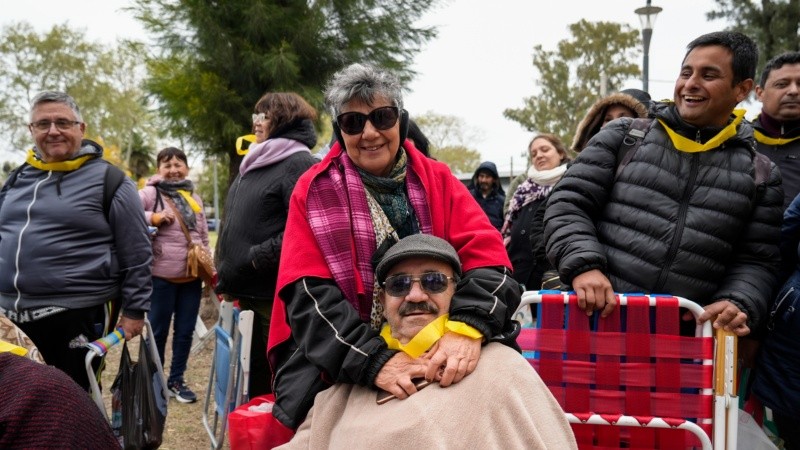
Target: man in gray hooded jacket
column 72, row 255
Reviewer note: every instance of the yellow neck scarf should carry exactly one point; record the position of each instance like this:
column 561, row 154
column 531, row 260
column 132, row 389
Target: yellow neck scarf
column 60, row 166
column 190, row 200
column 428, row 335
column 687, row 145
column 764, row 139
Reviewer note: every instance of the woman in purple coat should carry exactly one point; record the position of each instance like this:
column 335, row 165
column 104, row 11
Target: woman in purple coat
column 169, row 199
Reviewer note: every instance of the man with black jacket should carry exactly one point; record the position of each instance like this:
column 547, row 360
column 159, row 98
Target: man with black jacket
column 777, row 128
column 684, row 216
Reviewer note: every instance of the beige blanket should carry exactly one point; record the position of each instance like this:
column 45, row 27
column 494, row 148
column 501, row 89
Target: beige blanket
column 502, row 405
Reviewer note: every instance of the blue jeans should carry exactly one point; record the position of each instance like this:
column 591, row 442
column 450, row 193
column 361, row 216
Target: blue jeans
column 182, row 300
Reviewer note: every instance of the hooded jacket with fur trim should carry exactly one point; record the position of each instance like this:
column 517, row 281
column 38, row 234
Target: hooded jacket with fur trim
column 593, row 120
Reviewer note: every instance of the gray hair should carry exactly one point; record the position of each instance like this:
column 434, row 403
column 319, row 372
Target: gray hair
column 363, row 82
column 56, row 97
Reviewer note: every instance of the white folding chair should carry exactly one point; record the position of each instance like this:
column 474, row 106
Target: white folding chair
column 230, row 369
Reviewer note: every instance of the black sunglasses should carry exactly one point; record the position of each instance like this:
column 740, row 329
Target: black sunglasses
column 381, row 118
column 431, row 282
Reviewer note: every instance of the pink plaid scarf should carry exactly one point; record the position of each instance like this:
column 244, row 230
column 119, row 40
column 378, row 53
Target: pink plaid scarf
column 339, row 217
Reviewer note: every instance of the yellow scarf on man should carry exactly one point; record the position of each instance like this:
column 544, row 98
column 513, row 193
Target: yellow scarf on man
column 428, row 335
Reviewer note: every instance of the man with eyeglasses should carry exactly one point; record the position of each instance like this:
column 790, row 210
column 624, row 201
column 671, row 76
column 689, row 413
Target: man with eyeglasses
column 502, row 404
column 74, row 247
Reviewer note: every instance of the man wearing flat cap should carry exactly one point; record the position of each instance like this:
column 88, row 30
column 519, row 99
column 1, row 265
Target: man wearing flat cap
column 502, row 404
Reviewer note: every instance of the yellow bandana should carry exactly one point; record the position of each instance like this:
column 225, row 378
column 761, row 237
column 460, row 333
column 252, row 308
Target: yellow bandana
column 241, row 148
column 60, row 166
column 687, row 145
column 190, row 200
column 428, row 336
column 764, row 139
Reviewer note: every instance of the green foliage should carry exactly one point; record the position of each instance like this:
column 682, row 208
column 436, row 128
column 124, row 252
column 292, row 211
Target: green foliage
column 105, row 82
column 569, row 78
column 218, row 58
column 773, row 24
column 449, row 138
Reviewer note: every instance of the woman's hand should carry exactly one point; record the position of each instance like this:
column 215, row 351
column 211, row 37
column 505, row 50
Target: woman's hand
column 397, row 374
column 453, row 357
column 167, row 217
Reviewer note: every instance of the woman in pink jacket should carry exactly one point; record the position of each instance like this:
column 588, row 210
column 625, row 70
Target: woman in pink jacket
column 168, row 199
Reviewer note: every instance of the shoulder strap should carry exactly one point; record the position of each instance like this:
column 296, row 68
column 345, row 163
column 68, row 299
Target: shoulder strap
column 113, row 180
column 179, row 216
column 631, row 142
column 762, row 166
column 12, row 178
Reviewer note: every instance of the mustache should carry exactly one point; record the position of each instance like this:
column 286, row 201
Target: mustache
column 412, row 307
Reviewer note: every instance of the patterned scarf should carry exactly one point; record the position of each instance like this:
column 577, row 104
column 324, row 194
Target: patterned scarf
column 538, row 185
column 341, row 222
column 390, row 193
column 181, row 194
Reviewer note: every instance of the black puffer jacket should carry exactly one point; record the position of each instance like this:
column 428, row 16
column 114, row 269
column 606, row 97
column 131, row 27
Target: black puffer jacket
column 687, row 224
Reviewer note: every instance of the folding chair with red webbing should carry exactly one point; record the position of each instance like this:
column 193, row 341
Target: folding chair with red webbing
column 630, row 380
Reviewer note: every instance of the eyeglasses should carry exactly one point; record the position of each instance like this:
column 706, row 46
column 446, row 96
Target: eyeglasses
column 61, row 124
column 260, row 117
column 381, row 118
column 430, row 282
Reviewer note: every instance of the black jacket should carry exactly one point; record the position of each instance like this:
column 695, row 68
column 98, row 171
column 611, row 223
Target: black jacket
column 249, row 245
column 688, row 224
column 492, row 204
column 786, row 157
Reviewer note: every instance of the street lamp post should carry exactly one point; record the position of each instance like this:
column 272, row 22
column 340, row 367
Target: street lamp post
column 647, row 17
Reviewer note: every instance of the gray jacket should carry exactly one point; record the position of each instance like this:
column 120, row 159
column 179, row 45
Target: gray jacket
column 58, row 249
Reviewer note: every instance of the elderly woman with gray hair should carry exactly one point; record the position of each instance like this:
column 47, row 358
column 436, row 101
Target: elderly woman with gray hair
column 372, row 189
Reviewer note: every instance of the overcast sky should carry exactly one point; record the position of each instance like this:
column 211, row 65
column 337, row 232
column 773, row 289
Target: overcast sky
column 481, row 62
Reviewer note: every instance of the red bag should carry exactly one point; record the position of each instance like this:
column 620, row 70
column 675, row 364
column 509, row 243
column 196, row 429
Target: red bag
column 251, row 430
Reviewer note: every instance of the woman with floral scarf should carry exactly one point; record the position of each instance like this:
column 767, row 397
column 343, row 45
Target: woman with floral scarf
column 548, row 164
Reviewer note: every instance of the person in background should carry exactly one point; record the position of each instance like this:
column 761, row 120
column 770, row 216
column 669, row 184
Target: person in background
column 372, row 189
column 417, row 278
column 548, row 164
column 74, row 246
column 627, row 103
column 170, row 204
column 695, row 213
column 252, row 235
column 487, row 191
column 777, row 127
column 417, row 138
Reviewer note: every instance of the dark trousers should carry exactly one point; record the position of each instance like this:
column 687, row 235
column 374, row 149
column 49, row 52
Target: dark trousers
column 183, row 301
column 260, row 372
column 53, row 334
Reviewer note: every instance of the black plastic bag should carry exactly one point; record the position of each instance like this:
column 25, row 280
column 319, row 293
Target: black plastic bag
column 138, row 402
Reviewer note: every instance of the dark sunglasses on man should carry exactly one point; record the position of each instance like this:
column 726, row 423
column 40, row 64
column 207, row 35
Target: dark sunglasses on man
column 430, row 282
column 381, row 118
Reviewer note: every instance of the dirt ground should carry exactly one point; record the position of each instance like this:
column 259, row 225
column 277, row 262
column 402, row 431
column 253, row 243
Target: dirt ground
column 184, row 427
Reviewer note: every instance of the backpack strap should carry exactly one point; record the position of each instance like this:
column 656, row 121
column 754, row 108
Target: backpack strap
column 631, row 142
column 762, row 165
column 111, row 182
column 12, row 178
